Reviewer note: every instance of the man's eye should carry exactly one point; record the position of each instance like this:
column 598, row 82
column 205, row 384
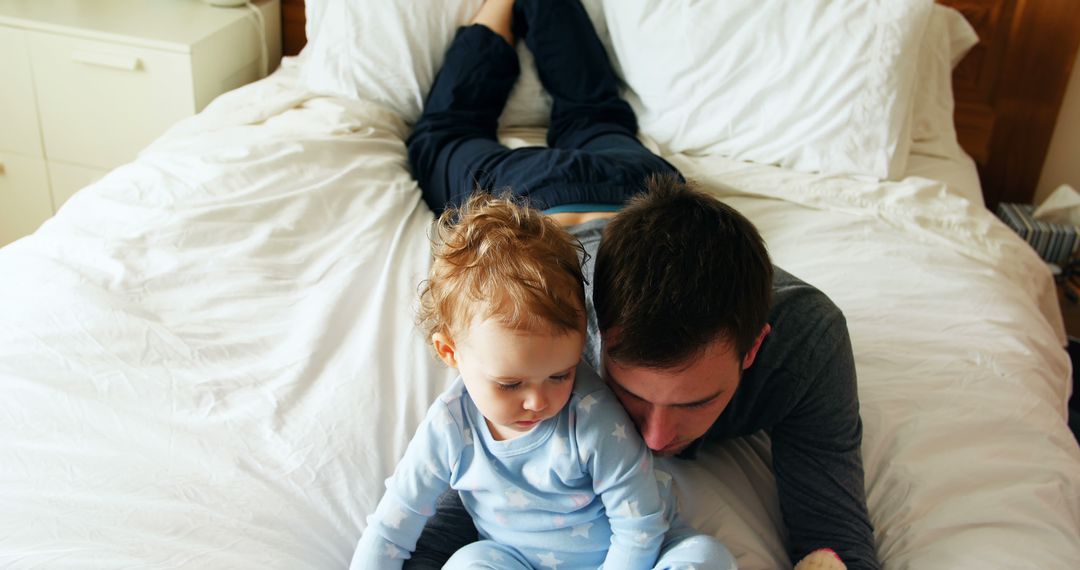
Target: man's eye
column 509, row 386
column 697, row 405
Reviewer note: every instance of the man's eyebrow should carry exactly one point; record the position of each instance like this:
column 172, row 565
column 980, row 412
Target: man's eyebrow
column 693, row 404
column 623, row 388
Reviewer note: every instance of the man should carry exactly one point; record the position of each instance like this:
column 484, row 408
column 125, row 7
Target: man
column 689, row 324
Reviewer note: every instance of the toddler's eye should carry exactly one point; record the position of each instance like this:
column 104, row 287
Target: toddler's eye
column 509, row 386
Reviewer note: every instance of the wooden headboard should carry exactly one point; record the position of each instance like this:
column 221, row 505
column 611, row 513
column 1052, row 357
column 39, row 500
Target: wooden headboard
column 293, row 35
column 1009, row 88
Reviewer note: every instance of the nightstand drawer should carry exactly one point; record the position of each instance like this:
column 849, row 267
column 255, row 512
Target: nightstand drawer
column 100, row 103
column 24, row 196
column 18, row 112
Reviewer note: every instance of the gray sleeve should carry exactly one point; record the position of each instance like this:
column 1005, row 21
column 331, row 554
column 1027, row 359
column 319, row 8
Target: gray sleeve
column 450, row 529
column 818, row 462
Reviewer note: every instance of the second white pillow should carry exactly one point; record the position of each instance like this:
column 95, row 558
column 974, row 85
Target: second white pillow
column 814, row 85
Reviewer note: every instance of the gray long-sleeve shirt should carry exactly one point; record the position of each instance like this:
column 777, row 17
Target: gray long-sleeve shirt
column 801, row 390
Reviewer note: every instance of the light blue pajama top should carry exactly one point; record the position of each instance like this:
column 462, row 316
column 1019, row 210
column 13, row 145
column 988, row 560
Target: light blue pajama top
column 577, row 491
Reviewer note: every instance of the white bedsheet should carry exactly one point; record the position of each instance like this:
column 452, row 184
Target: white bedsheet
column 209, row 361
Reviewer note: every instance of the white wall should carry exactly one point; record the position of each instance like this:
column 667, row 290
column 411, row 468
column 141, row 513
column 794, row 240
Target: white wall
column 1062, row 164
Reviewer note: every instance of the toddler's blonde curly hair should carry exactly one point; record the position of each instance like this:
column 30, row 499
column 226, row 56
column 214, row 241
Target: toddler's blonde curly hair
column 496, row 258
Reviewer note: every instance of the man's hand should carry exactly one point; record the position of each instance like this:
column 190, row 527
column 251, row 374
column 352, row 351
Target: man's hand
column 821, row 559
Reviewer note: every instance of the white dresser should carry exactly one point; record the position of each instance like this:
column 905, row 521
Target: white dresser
column 86, row 84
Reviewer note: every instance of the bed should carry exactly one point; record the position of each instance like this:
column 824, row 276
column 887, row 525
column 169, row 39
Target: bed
column 209, row 359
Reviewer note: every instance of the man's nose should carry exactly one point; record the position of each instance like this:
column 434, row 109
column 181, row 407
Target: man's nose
column 658, row 430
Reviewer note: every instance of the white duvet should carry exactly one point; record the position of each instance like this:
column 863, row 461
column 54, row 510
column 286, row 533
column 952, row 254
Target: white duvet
column 208, row 358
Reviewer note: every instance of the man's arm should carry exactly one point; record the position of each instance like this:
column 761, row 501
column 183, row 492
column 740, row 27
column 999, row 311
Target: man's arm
column 818, row 462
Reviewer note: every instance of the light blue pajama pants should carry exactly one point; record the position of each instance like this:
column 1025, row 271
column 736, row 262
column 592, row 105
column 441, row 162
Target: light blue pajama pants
column 683, row 549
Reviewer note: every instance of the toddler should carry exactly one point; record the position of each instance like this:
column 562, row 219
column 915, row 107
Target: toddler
column 544, row 457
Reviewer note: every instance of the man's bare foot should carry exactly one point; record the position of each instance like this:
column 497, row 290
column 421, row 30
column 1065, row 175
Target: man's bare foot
column 497, row 15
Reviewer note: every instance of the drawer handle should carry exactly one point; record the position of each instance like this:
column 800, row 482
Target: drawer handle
column 2, row 171
column 124, row 62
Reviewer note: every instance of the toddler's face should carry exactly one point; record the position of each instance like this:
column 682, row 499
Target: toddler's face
column 517, row 378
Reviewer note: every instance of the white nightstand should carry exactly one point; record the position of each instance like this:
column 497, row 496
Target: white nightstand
column 86, row 84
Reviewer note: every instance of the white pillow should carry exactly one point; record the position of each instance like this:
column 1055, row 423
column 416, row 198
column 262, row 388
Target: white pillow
column 313, row 11
column 388, row 51
column 948, row 38
column 811, row 85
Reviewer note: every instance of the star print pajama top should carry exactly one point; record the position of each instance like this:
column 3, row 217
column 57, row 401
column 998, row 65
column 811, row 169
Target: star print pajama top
column 576, row 491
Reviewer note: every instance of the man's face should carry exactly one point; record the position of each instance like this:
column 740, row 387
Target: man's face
column 672, row 407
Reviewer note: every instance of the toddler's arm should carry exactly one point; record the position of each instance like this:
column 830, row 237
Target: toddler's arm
column 421, row 476
column 622, row 471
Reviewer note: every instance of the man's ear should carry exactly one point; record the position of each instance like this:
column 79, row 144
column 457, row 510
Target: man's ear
column 751, row 354
column 444, row 347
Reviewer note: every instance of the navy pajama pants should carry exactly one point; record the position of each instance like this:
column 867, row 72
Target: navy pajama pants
column 593, row 154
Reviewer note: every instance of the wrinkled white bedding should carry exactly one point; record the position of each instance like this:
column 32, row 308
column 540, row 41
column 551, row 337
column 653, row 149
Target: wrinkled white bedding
column 208, row 357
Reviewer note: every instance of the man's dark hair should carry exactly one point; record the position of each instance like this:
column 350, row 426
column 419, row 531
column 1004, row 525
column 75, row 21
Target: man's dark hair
column 676, row 270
